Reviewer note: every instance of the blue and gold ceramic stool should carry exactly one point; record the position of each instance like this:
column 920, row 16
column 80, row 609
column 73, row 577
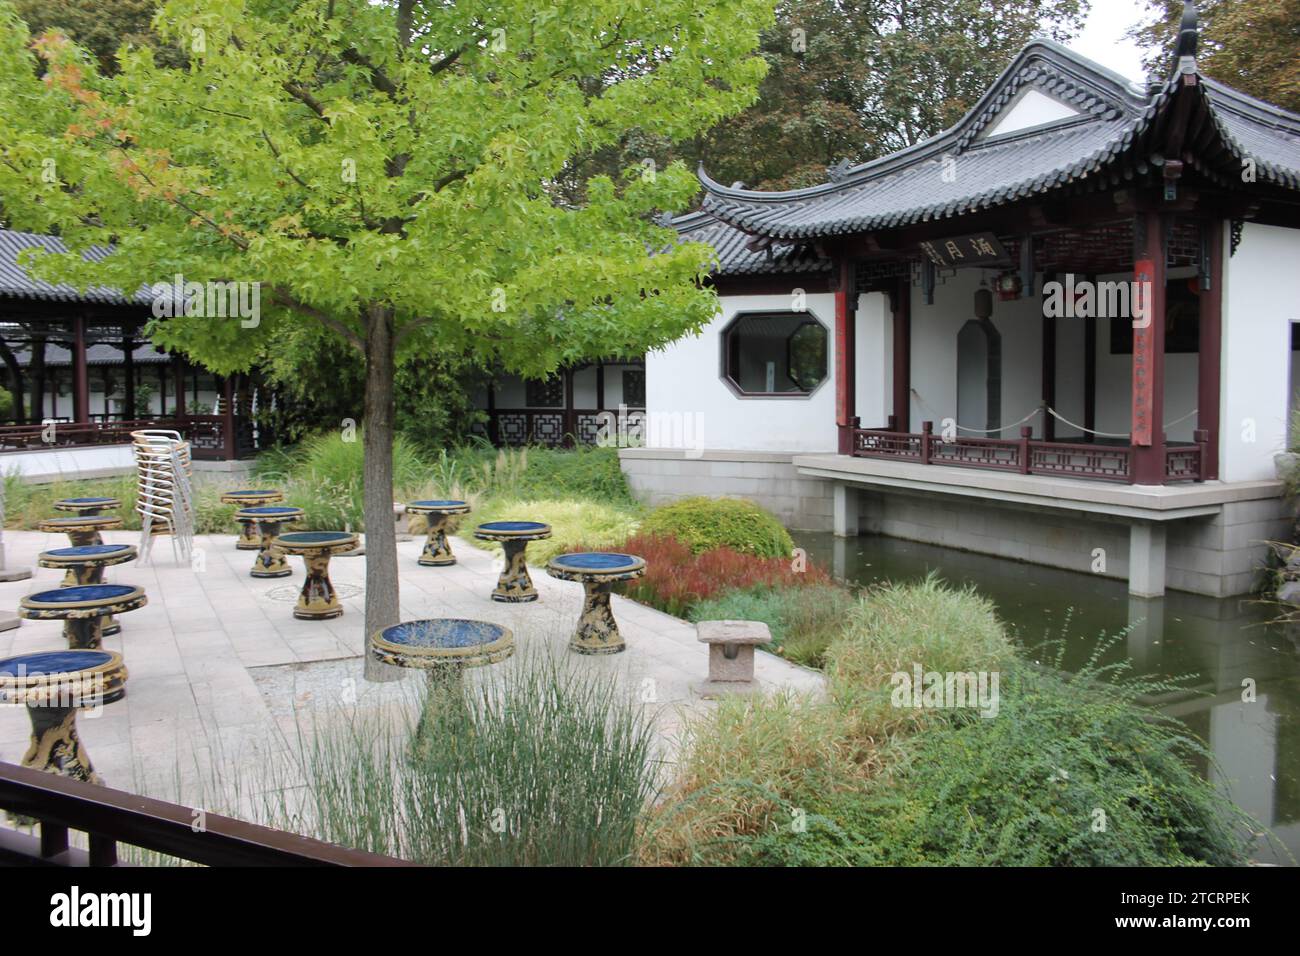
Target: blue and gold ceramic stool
column 269, row 522
column 82, row 609
column 443, row 647
column 81, row 529
column 437, row 552
column 90, row 507
column 317, row 602
column 514, row 586
column 86, row 564
column 249, row 540
column 54, row 685
column 597, row 572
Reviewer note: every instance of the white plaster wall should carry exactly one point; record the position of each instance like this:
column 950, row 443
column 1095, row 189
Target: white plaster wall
column 684, row 379
column 934, row 354
column 1261, row 299
column 873, row 400
column 1115, row 379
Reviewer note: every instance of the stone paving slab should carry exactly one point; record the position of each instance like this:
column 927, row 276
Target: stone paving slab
column 220, row 670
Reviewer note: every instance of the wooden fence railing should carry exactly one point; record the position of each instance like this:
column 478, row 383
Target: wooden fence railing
column 1025, row 455
column 110, row 817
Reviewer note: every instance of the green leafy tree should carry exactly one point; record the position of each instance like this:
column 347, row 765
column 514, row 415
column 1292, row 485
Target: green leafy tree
column 384, row 170
column 1251, row 45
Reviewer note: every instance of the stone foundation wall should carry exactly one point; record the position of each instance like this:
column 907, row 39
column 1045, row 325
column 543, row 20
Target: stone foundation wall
column 1219, row 555
column 768, row 478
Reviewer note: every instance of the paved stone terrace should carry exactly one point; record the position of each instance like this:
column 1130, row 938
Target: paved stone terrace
column 222, row 674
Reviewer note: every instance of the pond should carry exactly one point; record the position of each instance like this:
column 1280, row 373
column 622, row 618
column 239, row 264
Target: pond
column 1218, row 644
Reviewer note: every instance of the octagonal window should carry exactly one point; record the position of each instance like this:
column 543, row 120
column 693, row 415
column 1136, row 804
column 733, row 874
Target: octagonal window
column 775, row 353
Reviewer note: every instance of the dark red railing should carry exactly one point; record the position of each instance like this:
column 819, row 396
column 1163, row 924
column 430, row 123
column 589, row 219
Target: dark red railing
column 212, row 437
column 109, row 817
column 1025, row 455
column 557, row 426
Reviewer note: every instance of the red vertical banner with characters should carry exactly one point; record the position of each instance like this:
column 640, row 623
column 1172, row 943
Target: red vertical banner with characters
column 1143, row 352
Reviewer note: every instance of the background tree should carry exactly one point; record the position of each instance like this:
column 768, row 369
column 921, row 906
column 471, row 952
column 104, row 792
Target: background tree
column 101, row 26
column 1252, row 45
column 854, row 79
column 384, row 170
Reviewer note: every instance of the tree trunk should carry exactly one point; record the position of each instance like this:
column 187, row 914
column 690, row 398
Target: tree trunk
column 382, row 604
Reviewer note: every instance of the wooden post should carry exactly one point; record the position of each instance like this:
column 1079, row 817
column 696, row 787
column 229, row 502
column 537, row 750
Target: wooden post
column 230, row 449
column 570, row 420
column 1089, row 376
column 901, row 302
column 1147, row 437
column 1209, row 363
column 927, row 429
column 845, row 355
column 1023, row 451
column 178, row 377
column 600, row 386
column 1202, row 438
column 128, row 369
column 492, row 431
column 1049, row 369
column 80, row 375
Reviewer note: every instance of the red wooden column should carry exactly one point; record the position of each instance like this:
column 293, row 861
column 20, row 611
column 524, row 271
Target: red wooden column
column 80, row 377
column 178, row 376
column 230, row 448
column 845, row 356
column 1148, row 437
column 1209, row 351
column 901, row 304
column 1049, row 367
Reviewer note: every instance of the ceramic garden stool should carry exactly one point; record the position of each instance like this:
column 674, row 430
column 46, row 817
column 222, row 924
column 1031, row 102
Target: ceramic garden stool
column 249, row 540
column 89, row 507
column 443, row 647
column 437, row 552
column 85, row 565
column 317, row 602
column 597, row 572
column 514, row 586
column 269, row 521
column 81, row 529
column 55, row 685
column 82, row 609
column 731, row 655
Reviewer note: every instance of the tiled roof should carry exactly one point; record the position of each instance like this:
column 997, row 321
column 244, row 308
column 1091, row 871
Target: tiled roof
column 964, row 169
column 15, row 280
column 735, row 257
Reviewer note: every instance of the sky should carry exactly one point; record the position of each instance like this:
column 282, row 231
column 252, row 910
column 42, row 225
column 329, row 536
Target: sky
column 1102, row 38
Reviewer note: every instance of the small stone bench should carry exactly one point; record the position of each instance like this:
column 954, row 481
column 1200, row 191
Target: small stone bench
column 731, row 655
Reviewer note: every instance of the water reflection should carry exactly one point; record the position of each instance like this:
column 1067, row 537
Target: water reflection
column 1226, row 647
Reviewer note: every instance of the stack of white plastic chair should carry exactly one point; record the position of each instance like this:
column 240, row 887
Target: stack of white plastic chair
column 164, row 497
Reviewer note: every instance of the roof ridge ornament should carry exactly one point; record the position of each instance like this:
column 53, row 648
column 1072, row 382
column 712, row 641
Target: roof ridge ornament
column 840, row 171
column 1188, row 32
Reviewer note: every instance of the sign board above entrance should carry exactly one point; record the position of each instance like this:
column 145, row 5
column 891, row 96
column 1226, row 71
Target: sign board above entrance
column 977, row 249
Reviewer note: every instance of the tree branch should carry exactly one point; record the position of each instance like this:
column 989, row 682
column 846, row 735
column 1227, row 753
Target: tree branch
column 282, row 297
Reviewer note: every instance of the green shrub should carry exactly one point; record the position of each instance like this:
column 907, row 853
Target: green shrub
column 1073, row 771
column 586, row 524
column 703, row 524
column 545, row 764
column 803, row 620
column 896, row 626
column 870, row 784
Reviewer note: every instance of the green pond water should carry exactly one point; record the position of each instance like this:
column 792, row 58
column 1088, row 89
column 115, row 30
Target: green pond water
column 1217, row 644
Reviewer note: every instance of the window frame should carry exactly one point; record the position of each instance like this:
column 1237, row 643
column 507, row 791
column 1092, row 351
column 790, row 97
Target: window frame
column 807, row 317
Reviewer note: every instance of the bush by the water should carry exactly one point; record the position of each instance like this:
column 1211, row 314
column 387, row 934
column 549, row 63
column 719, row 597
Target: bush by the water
column 703, row 524
column 803, row 620
column 675, row 579
column 1072, row 770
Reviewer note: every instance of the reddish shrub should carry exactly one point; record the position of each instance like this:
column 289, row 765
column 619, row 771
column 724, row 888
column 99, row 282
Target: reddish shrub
column 675, row 579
